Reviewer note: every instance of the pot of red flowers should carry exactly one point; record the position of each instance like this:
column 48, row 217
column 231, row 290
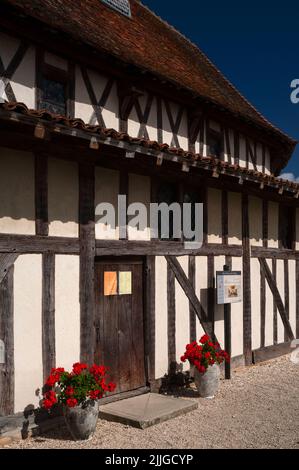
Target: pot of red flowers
column 205, row 356
column 78, row 392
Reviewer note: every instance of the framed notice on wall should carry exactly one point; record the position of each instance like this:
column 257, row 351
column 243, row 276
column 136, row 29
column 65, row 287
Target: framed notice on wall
column 229, row 287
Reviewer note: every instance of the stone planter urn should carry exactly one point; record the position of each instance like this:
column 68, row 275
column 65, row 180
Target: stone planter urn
column 81, row 420
column 207, row 384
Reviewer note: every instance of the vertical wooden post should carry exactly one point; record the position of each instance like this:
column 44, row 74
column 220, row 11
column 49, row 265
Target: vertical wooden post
column 192, row 314
column 246, row 282
column 7, row 335
column 41, row 195
column 211, row 293
column 87, row 260
column 227, row 333
column 150, row 321
column 48, row 314
column 286, row 293
column 274, row 273
column 171, row 326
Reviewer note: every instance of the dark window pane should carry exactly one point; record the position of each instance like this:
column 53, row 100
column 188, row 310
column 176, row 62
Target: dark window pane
column 215, row 145
column 53, row 97
column 191, row 197
column 167, row 194
column 286, row 229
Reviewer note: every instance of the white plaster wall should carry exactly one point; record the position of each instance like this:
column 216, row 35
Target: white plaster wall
column 259, row 157
column 237, row 317
column 56, row 61
column 214, row 216
column 268, row 162
column 255, row 303
column 292, row 294
column 242, row 156
column 234, row 218
column 110, row 111
column 182, row 318
column 63, row 198
column 83, row 106
column 133, row 121
column 250, row 164
column 273, row 225
column 183, row 129
column 106, row 190
column 280, row 285
column 201, row 284
column 17, row 208
column 161, row 362
column 139, row 191
column 256, row 221
column 219, row 261
column 28, row 330
column 67, row 310
column 23, row 80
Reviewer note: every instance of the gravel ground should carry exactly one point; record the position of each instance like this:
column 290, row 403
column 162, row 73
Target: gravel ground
column 258, row 408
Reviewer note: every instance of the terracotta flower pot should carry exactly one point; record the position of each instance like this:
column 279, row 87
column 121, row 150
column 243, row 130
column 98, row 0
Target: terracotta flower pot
column 81, row 420
column 207, row 384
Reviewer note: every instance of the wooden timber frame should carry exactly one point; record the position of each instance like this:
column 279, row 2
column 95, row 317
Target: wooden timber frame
column 112, row 154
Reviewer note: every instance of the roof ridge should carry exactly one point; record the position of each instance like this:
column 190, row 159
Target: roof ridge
column 209, row 61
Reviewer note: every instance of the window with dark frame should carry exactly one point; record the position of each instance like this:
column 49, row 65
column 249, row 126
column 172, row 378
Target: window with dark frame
column 55, row 88
column 53, row 96
column 169, row 193
column 286, row 227
column 191, row 197
column 215, row 146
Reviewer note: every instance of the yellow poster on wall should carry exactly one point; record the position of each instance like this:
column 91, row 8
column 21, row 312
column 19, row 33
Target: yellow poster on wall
column 125, row 282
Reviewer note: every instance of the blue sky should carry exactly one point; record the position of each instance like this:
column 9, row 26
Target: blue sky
column 255, row 45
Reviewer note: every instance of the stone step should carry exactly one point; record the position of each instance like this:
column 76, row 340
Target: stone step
column 146, row 410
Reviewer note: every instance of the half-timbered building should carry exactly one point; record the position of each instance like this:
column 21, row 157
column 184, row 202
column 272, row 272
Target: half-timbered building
column 101, row 98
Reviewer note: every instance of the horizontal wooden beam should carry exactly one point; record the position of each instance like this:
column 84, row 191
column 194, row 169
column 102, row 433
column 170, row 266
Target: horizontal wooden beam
column 65, row 245
column 273, row 253
column 158, row 247
column 38, row 244
column 270, row 352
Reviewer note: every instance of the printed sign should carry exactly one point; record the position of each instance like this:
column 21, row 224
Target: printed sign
column 229, row 287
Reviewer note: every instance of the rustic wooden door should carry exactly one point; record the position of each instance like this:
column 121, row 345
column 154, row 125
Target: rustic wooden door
column 119, row 322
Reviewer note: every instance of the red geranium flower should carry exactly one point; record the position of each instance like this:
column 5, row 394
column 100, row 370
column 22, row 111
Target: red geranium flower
column 204, row 339
column 78, row 367
column 111, row 387
column 71, row 402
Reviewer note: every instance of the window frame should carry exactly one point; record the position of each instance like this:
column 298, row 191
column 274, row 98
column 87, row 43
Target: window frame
column 286, row 210
column 49, row 72
column 212, row 133
column 181, row 187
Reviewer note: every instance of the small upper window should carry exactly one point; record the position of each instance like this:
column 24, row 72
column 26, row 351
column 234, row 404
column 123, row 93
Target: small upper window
column 122, row 6
column 287, row 227
column 214, row 144
column 53, row 96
